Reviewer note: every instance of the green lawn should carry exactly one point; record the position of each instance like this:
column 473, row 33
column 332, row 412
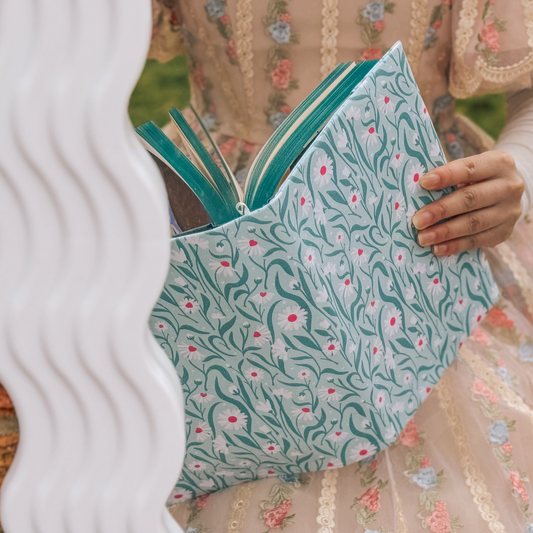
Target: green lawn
column 165, row 85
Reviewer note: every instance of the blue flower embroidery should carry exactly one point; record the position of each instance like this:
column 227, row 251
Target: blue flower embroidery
column 277, row 118
column 280, row 32
column 429, row 36
column 215, row 8
column 499, row 432
column 455, row 150
column 375, row 11
column 530, row 528
column 526, row 352
column 426, row 478
column 504, row 374
column 209, row 120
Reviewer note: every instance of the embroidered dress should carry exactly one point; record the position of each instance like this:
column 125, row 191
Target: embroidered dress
column 464, row 462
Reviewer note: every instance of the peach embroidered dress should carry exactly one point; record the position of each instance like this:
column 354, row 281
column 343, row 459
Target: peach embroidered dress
column 466, row 459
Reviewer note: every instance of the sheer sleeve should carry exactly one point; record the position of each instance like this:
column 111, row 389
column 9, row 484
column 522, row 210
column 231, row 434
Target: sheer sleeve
column 492, row 46
column 517, row 140
column 168, row 39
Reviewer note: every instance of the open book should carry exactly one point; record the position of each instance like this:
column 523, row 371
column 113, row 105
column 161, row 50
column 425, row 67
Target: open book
column 215, row 185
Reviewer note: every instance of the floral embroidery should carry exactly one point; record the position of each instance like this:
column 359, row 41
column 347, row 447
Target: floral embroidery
column 368, row 504
column 205, row 87
column 501, row 326
column 216, row 14
column 435, row 22
column 278, row 26
column 278, row 516
column 489, row 37
column 371, row 18
column 498, row 437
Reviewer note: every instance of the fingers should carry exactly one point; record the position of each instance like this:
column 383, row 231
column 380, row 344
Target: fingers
column 487, row 238
column 463, row 225
column 468, row 170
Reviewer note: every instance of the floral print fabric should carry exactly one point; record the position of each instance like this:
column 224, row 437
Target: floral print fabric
column 310, row 331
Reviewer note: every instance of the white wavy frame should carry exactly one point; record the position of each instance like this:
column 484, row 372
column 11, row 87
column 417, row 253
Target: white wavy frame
column 84, row 250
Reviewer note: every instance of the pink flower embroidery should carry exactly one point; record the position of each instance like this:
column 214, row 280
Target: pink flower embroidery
column 371, row 499
column 489, row 36
column 409, row 435
column 425, row 463
column 374, row 465
column 518, row 485
column 479, row 387
column 507, row 447
column 198, row 77
column 285, row 109
column 437, row 24
column 228, row 147
column 498, row 319
column 439, row 521
column 202, row 501
column 232, row 49
column 379, row 25
column 273, row 518
column 225, row 19
column 480, row 336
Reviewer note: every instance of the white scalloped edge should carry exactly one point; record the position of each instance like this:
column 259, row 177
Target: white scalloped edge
column 84, row 250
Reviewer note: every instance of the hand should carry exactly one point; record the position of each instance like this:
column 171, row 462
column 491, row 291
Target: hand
column 482, row 212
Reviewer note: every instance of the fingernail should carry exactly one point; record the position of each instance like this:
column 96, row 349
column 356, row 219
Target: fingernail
column 439, row 249
column 430, row 181
column 422, row 220
column 426, row 238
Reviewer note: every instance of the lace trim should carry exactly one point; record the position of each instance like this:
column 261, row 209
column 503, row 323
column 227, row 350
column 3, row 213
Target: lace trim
column 464, row 81
column 326, row 510
column 225, row 85
column 519, row 272
column 419, row 24
column 239, row 506
column 245, row 52
column 330, row 30
column 495, row 382
column 474, row 478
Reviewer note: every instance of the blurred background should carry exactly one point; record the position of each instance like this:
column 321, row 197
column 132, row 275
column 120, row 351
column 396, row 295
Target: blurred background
column 166, row 85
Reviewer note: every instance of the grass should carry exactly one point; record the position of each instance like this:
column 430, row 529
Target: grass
column 166, row 85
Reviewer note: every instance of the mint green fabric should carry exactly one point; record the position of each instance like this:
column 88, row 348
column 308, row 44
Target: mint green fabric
column 307, row 333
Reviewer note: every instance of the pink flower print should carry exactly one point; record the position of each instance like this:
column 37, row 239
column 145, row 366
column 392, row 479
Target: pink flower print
column 489, row 36
column 281, row 75
column 274, row 518
column 439, row 521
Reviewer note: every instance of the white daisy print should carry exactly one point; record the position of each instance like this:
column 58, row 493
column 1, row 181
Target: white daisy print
column 337, row 436
column 393, row 321
column 424, row 112
column 323, row 170
column 334, row 463
column 262, row 297
column 189, row 305
column 222, row 267
column 305, row 201
column 254, row 374
column 264, row 407
column 397, row 160
column 346, row 287
column 434, row 287
column 292, row 318
column 279, row 350
column 372, row 307
column 380, row 399
column 398, row 407
column 160, row 326
column 190, row 352
column 339, row 237
column 449, row 260
column 390, row 363
column 410, row 292
column 267, row 473
column 271, row 448
column 304, row 374
column 203, row 431
column 399, row 206
column 180, row 281
column 178, row 256
column 218, row 316
column 264, row 429
column 399, row 258
column 377, row 350
column 261, row 336
column 419, row 268
column 320, row 213
column 330, row 269
column 409, row 215
column 385, row 105
column 197, row 466
column 353, row 113
column 329, row 394
column 434, row 150
column 303, row 413
column 413, row 176
column 198, row 241
column 202, row 397
column 232, row 419
column 331, row 347
column 370, row 136
column 353, row 198
column 359, row 256
column 283, row 393
column 179, row 495
column 322, row 295
column 420, row 343
column 309, row 258
column 365, row 449
column 408, row 378
column 478, row 315
column 460, row 305
column 251, row 247
column 207, row 483
column 342, row 139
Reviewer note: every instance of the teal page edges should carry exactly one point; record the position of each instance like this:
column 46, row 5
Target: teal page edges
column 308, row 332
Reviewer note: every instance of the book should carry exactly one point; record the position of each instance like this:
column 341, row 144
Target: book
column 308, row 331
